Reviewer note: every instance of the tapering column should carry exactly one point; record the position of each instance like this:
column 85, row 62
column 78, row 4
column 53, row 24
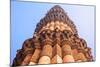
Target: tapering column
column 74, row 53
column 46, row 52
column 81, row 57
column 46, row 55
column 57, row 54
column 35, row 57
column 26, row 60
column 66, row 50
column 67, row 54
column 28, row 49
column 28, row 55
column 66, row 47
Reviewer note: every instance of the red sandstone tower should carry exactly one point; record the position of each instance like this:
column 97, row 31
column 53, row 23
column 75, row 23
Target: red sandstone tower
column 55, row 40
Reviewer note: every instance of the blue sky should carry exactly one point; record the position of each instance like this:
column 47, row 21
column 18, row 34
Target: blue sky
column 25, row 16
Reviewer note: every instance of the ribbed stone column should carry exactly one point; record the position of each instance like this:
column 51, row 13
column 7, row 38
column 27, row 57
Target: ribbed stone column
column 67, row 54
column 35, row 57
column 57, row 54
column 46, row 55
column 26, row 60
column 74, row 53
column 81, row 57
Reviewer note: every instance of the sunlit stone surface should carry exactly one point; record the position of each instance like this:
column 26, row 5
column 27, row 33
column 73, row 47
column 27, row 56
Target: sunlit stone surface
column 55, row 40
column 44, row 60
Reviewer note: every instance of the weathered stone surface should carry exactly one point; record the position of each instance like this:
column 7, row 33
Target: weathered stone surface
column 44, row 60
column 68, row 58
column 55, row 40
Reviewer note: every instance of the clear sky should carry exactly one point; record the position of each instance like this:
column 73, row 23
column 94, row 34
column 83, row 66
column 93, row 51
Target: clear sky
column 25, row 16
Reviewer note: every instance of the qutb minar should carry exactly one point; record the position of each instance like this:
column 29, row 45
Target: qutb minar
column 55, row 40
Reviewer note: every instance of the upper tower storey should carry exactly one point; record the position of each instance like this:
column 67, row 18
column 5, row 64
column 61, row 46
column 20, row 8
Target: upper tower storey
column 56, row 17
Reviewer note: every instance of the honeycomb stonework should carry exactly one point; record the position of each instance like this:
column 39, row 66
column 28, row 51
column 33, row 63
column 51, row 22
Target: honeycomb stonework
column 55, row 40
